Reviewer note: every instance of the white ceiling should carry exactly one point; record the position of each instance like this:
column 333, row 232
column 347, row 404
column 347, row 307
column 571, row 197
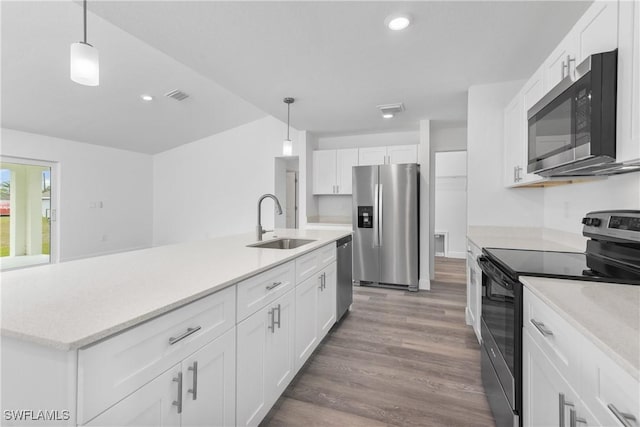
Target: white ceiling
column 39, row 97
column 336, row 58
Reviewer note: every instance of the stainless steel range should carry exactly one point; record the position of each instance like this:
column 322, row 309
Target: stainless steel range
column 612, row 255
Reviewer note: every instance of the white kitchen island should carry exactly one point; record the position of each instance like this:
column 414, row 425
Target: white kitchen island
column 113, row 339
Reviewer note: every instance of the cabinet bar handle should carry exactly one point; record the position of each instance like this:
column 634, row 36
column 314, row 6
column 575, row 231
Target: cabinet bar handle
column 271, row 327
column 279, row 313
column 194, row 389
column 561, row 404
column 574, row 419
column 178, row 402
column 273, row 285
column 542, row 328
column 623, row 417
column 183, row 335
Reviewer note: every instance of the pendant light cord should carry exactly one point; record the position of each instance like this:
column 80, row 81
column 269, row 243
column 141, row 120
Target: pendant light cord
column 85, row 21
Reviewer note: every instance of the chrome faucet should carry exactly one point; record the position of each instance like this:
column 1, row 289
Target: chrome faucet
column 259, row 230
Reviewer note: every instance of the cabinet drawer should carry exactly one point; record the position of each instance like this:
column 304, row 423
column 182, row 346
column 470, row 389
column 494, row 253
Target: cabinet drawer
column 258, row 291
column 604, row 384
column 308, row 264
column 557, row 339
column 112, row 369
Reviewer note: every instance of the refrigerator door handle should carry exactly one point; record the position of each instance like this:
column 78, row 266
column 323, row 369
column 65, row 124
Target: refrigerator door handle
column 376, row 207
column 380, row 205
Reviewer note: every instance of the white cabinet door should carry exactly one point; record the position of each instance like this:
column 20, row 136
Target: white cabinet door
column 209, row 392
column 628, row 111
column 559, row 62
column 543, row 388
column 252, row 394
column 152, row 405
column 324, row 172
column 372, row 156
column 400, row 154
column 265, row 359
column 306, row 335
column 513, row 140
column 597, row 29
column 346, row 160
column 474, row 289
column 327, row 300
column 280, row 347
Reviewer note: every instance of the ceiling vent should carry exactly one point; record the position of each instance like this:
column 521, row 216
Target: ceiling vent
column 177, row 94
column 389, row 110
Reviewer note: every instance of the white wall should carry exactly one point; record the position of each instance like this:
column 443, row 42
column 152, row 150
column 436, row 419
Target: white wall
column 565, row 206
column 448, row 135
column 488, row 201
column 368, row 140
column 121, row 180
column 451, row 200
column 210, row 187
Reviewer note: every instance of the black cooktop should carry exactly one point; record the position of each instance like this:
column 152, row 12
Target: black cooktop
column 562, row 265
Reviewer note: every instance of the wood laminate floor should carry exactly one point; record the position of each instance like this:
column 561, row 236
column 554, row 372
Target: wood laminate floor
column 397, row 359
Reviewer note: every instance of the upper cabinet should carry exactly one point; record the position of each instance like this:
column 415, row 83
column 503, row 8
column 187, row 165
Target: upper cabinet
column 595, row 32
column 332, row 170
column 605, row 26
column 390, row 155
column 372, row 156
column 628, row 111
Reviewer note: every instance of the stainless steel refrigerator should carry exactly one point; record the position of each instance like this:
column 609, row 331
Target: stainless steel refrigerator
column 385, row 221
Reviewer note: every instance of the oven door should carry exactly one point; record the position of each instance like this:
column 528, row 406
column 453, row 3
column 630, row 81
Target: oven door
column 501, row 327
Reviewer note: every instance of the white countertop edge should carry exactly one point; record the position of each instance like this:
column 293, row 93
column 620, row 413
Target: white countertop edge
column 617, row 358
column 121, row 327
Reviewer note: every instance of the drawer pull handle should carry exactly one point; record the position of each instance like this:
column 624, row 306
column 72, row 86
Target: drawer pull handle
column 178, row 402
column 542, row 328
column 183, row 335
column 623, row 417
column 194, row 390
column 561, row 404
column 273, row 285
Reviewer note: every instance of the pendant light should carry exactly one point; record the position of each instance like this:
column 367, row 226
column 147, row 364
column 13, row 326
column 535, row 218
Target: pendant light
column 85, row 68
column 287, row 144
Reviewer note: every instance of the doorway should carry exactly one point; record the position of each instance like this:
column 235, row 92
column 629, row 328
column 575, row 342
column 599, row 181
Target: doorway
column 27, row 213
column 450, row 204
column 286, row 190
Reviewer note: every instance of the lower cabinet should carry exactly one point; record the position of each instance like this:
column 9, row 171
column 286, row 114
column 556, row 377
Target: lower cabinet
column 199, row 391
column 265, row 359
column 315, row 312
column 474, row 288
column 566, row 379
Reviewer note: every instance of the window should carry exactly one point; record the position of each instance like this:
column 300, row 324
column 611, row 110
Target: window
column 26, row 213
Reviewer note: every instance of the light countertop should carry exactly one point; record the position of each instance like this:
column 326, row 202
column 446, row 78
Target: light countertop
column 607, row 314
column 69, row 305
column 525, row 238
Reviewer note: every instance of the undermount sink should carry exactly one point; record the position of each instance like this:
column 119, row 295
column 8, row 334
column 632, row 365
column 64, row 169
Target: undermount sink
column 281, row 244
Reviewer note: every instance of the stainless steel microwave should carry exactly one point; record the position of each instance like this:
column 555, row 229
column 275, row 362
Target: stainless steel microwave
column 572, row 129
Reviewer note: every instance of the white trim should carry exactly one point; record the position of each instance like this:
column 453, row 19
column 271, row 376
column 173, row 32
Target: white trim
column 424, row 285
column 459, row 255
column 446, row 243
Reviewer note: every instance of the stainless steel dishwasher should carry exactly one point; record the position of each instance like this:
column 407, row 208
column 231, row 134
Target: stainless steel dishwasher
column 344, row 293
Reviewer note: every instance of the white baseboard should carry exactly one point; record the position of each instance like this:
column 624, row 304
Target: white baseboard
column 459, row 255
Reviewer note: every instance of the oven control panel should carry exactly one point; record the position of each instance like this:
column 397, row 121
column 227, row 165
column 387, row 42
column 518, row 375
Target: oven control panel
column 623, row 225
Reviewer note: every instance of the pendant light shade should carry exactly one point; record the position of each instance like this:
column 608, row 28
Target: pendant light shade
column 287, row 144
column 84, row 63
column 85, row 66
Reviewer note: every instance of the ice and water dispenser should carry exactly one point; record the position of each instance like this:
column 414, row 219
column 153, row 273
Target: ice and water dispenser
column 365, row 216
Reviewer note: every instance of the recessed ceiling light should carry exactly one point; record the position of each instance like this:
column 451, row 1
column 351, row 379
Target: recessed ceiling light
column 146, row 98
column 398, row 22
